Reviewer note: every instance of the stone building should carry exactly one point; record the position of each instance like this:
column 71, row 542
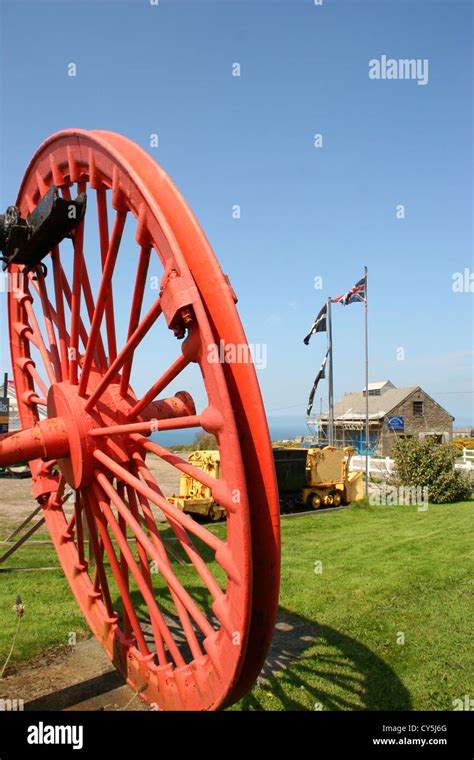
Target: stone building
column 393, row 413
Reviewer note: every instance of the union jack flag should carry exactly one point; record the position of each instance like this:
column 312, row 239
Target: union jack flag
column 355, row 294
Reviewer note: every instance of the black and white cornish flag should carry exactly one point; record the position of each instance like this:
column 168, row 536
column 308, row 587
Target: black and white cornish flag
column 319, row 324
column 321, row 374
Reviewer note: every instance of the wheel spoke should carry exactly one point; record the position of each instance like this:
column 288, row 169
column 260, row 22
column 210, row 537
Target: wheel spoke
column 68, row 533
column 37, row 340
column 217, row 486
column 123, row 564
column 125, row 353
column 104, row 247
column 87, row 290
column 60, row 318
column 68, row 294
column 89, row 299
column 48, row 322
column 54, row 316
column 97, row 505
column 173, row 423
column 107, row 273
column 135, row 311
column 173, row 371
column 188, row 546
column 96, row 577
column 101, row 576
column 157, row 542
column 34, row 399
column 30, row 368
column 166, row 572
column 147, row 594
column 78, row 514
column 162, row 503
column 78, row 244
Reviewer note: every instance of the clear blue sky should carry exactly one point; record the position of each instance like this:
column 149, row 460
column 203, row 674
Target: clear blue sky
column 305, row 211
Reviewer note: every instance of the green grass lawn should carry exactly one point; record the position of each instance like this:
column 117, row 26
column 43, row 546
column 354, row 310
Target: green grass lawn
column 379, row 601
column 389, row 574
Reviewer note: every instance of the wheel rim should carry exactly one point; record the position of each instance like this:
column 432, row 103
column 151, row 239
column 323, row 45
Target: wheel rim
column 218, row 651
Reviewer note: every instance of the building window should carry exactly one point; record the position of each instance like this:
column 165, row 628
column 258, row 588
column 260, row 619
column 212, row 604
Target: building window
column 435, row 437
column 418, row 408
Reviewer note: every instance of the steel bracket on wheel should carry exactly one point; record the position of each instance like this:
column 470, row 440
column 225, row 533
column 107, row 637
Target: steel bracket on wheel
column 28, row 241
column 177, row 293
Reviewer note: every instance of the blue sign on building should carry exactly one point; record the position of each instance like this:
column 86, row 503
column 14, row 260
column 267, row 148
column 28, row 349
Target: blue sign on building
column 396, row 423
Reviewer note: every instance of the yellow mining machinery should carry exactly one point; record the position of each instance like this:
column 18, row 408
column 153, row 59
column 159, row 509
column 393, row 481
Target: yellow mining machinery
column 306, row 477
column 194, row 497
column 328, row 480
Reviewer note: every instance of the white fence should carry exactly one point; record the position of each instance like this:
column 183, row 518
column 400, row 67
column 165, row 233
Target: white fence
column 467, row 460
column 379, row 465
column 384, row 465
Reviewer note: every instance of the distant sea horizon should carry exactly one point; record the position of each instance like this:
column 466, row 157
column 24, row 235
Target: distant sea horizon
column 281, row 428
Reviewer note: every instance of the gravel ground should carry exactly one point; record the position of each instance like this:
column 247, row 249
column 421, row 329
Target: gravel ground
column 16, row 500
column 82, row 677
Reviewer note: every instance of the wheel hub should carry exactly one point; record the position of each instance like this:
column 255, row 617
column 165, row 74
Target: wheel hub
column 64, row 402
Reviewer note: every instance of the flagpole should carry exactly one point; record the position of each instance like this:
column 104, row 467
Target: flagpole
column 330, row 378
column 320, row 418
column 366, row 383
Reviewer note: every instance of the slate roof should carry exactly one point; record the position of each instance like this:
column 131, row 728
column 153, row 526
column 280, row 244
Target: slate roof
column 352, row 405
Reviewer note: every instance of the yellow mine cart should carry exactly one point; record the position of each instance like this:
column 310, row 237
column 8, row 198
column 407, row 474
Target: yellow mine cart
column 312, row 477
column 328, row 480
column 194, row 497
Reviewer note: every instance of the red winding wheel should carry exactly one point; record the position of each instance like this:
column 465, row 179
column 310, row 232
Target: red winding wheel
column 187, row 635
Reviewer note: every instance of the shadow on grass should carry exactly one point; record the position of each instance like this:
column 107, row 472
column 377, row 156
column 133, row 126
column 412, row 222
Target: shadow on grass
column 309, row 667
column 312, row 666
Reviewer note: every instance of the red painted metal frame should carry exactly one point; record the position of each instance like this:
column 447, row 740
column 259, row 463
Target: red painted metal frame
column 97, row 433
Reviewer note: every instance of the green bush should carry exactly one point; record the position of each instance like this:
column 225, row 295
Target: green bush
column 204, row 441
column 422, row 462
